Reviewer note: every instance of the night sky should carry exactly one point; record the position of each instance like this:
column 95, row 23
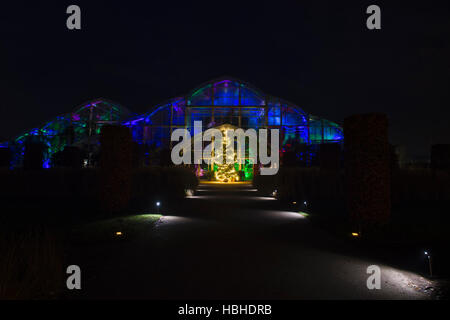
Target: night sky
column 318, row 55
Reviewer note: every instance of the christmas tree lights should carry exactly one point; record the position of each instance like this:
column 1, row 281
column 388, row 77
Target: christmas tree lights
column 225, row 171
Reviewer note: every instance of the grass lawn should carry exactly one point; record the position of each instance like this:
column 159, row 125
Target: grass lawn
column 123, row 228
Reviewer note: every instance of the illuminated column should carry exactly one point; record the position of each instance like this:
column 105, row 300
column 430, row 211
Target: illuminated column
column 367, row 168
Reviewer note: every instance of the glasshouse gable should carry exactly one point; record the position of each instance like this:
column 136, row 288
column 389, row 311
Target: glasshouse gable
column 218, row 103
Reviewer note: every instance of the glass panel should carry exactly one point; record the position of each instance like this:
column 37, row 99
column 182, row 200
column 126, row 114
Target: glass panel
column 226, row 115
column 137, row 133
column 226, row 93
column 178, row 113
column 250, row 98
column 315, row 129
column 252, row 118
column 201, row 97
column 293, row 116
column 332, row 133
column 161, row 117
column 274, row 114
column 200, row 114
column 294, row 135
column 159, row 136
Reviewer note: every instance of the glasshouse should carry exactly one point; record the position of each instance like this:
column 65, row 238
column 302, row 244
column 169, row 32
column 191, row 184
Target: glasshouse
column 219, row 102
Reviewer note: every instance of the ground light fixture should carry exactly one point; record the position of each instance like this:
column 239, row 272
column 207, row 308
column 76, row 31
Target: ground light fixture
column 427, row 254
column 355, row 234
column 158, row 204
column 119, row 233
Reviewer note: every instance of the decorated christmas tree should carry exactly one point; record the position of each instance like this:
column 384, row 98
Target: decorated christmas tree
column 226, row 172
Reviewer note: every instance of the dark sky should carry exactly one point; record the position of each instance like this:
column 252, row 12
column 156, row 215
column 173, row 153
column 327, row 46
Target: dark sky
column 317, row 54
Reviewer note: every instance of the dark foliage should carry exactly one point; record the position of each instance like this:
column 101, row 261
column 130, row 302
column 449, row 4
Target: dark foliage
column 33, row 155
column 5, row 157
column 70, row 157
column 440, row 157
column 66, row 191
column 330, row 157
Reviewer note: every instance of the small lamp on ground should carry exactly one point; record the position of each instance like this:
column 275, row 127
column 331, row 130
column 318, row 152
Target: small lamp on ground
column 158, row 204
column 429, row 262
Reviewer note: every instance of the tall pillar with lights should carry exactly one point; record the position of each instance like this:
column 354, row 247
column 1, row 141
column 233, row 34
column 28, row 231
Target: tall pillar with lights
column 115, row 167
column 367, row 168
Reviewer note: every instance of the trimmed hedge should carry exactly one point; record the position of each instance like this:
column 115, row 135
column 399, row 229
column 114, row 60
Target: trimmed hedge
column 303, row 184
column 411, row 186
column 170, row 182
column 408, row 186
column 72, row 189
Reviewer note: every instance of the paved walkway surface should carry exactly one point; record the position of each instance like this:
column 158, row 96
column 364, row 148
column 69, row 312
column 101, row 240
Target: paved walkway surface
column 228, row 243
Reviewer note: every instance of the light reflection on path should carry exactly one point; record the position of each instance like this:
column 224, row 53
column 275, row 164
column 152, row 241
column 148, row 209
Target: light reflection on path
column 236, row 247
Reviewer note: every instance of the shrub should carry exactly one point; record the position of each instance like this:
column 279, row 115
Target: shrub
column 70, row 157
column 33, row 158
column 302, row 184
column 170, row 182
column 5, row 157
column 420, row 186
column 330, row 157
column 409, row 187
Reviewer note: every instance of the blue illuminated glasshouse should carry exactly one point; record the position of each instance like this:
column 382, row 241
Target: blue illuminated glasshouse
column 219, row 102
